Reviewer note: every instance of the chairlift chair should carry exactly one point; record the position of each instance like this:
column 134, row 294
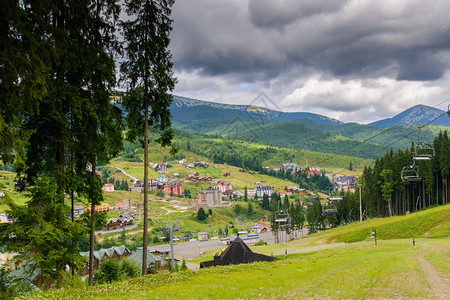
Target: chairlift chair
column 410, row 174
column 424, row 152
column 336, row 195
column 330, row 207
column 282, row 219
column 448, row 111
column 281, row 216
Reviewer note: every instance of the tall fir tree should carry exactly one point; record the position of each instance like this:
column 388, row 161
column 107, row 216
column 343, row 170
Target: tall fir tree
column 147, row 72
column 75, row 126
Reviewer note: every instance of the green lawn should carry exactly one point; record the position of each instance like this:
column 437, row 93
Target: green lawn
column 7, row 187
column 362, row 270
column 314, row 269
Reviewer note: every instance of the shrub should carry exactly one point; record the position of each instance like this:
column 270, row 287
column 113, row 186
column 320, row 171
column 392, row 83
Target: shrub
column 114, row 270
column 260, row 243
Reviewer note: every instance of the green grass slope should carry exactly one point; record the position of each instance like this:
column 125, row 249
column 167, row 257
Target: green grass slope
column 430, row 223
column 392, row 269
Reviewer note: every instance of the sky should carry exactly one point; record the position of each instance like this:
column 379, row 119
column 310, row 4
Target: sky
column 356, row 61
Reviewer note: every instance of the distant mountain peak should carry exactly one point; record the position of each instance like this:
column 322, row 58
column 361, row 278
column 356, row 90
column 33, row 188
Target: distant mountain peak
column 417, row 115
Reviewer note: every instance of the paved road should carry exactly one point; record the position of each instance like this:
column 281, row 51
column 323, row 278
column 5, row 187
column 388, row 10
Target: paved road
column 193, row 249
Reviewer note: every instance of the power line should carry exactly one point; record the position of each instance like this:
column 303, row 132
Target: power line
column 390, row 128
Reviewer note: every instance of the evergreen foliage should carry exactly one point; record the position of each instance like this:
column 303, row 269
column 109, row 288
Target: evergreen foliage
column 42, row 234
column 112, row 269
column 201, row 215
column 147, row 73
column 265, row 204
column 384, row 193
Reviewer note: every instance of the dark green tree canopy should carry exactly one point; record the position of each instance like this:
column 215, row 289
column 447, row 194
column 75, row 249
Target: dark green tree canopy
column 147, row 70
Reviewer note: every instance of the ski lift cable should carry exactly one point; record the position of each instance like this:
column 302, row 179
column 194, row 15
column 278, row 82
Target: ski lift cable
column 404, row 136
column 390, row 129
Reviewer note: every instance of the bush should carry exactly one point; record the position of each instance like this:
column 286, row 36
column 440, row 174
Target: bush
column 260, row 243
column 130, row 268
column 114, row 270
column 183, row 265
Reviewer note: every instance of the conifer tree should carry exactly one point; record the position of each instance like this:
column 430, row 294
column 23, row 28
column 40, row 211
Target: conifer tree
column 148, row 74
column 67, row 45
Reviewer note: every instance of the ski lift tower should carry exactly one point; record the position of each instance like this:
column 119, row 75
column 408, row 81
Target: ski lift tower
column 171, row 226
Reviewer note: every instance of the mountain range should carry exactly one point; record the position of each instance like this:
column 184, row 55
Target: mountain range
column 187, row 109
column 307, row 131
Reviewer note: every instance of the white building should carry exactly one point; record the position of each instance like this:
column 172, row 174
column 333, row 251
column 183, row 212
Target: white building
column 263, row 189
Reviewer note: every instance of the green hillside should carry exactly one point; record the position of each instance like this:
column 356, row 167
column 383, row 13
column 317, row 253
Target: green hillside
column 252, row 154
column 393, row 268
column 352, row 139
column 395, row 137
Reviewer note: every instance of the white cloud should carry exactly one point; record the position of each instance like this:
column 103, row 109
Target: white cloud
column 360, row 100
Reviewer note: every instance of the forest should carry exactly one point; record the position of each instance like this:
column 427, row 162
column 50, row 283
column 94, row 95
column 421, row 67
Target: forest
column 385, row 193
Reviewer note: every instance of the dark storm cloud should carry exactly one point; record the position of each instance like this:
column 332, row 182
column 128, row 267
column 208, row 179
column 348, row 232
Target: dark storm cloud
column 216, row 38
column 276, row 14
column 420, row 67
column 259, row 39
column 333, row 57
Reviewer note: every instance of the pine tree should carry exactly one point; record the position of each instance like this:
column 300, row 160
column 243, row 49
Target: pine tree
column 148, row 74
column 71, row 118
column 201, row 215
column 250, row 208
column 286, row 202
column 265, row 202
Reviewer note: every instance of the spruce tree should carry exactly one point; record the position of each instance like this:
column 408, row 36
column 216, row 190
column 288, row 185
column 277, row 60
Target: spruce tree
column 147, row 72
column 201, row 215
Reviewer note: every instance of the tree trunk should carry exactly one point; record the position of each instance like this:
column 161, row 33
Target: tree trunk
column 91, row 236
column 437, row 189
column 73, row 219
column 390, row 207
column 145, row 237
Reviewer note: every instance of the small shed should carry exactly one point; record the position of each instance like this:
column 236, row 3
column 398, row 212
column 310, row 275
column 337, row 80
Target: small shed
column 236, row 253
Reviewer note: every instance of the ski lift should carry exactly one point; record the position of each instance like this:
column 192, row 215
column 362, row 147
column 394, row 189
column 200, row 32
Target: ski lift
column 330, row 207
column 448, row 111
column 336, row 195
column 410, row 174
column 423, row 151
column 282, row 218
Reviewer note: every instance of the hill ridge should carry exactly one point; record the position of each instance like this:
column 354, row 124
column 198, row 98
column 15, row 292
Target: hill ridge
column 416, row 115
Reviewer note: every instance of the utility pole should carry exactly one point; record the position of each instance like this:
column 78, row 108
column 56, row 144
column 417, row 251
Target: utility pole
column 360, row 204
column 172, row 226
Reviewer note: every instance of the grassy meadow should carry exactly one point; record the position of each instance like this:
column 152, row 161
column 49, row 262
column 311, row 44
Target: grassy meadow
column 7, row 187
column 316, row 267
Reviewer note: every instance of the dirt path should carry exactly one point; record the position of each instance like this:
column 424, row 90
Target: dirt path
column 125, row 173
column 439, row 285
